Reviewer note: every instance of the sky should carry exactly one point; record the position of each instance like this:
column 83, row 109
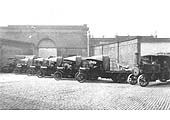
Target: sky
column 104, row 17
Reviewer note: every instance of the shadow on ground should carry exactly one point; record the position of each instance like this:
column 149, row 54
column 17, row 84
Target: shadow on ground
column 91, row 81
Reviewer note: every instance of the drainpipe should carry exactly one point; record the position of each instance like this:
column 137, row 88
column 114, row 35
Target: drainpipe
column 88, row 43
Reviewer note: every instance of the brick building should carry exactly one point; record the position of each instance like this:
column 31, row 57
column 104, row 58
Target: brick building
column 9, row 48
column 49, row 40
column 98, row 41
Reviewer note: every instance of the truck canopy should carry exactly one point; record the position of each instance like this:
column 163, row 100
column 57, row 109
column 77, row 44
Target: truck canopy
column 72, row 58
column 97, row 58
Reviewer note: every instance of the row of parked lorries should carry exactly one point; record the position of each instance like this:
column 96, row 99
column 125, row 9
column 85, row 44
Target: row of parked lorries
column 149, row 68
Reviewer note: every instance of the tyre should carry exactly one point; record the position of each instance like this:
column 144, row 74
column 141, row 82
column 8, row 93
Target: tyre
column 29, row 72
column 163, row 80
column 81, row 77
column 132, row 79
column 17, row 70
column 76, row 75
column 57, row 75
column 143, row 80
column 40, row 73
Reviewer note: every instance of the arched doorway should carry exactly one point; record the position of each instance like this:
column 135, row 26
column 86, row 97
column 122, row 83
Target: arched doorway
column 46, row 48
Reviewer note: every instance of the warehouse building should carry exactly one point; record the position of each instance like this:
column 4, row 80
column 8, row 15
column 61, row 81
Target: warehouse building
column 98, row 41
column 124, row 49
column 9, row 48
column 49, row 40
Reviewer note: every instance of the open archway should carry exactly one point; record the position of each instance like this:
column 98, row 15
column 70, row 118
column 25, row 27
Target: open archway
column 46, row 48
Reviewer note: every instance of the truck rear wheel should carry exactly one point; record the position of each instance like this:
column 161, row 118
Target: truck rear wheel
column 29, row 72
column 143, row 80
column 164, row 77
column 57, row 75
column 81, row 77
column 40, row 73
column 132, row 79
column 17, row 70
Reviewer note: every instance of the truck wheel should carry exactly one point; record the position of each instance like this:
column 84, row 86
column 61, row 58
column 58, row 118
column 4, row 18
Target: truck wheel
column 29, row 72
column 132, row 79
column 57, row 75
column 40, row 73
column 17, row 70
column 81, row 77
column 143, row 80
column 76, row 74
column 163, row 80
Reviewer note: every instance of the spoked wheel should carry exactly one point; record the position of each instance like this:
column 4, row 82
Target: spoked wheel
column 57, row 75
column 81, row 78
column 76, row 74
column 164, row 78
column 17, row 70
column 143, row 80
column 40, row 73
column 132, row 79
column 29, row 72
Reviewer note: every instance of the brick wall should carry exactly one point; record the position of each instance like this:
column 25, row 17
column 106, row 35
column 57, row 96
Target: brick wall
column 9, row 48
column 65, row 37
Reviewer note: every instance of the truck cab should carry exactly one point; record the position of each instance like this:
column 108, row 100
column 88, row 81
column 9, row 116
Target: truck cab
column 68, row 68
column 151, row 68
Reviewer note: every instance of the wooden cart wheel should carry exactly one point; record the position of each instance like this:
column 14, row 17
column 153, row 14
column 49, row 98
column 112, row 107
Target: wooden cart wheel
column 143, row 80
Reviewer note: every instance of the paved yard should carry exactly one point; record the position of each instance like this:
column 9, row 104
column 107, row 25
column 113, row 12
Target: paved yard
column 30, row 92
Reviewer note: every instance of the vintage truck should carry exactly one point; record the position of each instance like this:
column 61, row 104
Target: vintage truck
column 23, row 63
column 34, row 65
column 150, row 68
column 131, row 52
column 49, row 66
column 99, row 66
column 68, row 68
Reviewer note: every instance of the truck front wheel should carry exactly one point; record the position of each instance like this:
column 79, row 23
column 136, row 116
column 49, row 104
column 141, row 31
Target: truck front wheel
column 143, row 80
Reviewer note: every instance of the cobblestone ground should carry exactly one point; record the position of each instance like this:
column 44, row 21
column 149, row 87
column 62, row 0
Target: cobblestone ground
column 29, row 92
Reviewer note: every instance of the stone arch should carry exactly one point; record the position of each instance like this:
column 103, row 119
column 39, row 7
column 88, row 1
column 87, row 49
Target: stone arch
column 46, row 47
column 46, row 42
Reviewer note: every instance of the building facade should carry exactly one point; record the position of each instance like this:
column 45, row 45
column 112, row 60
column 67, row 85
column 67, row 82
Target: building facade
column 9, row 48
column 50, row 40
column 98, row 41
